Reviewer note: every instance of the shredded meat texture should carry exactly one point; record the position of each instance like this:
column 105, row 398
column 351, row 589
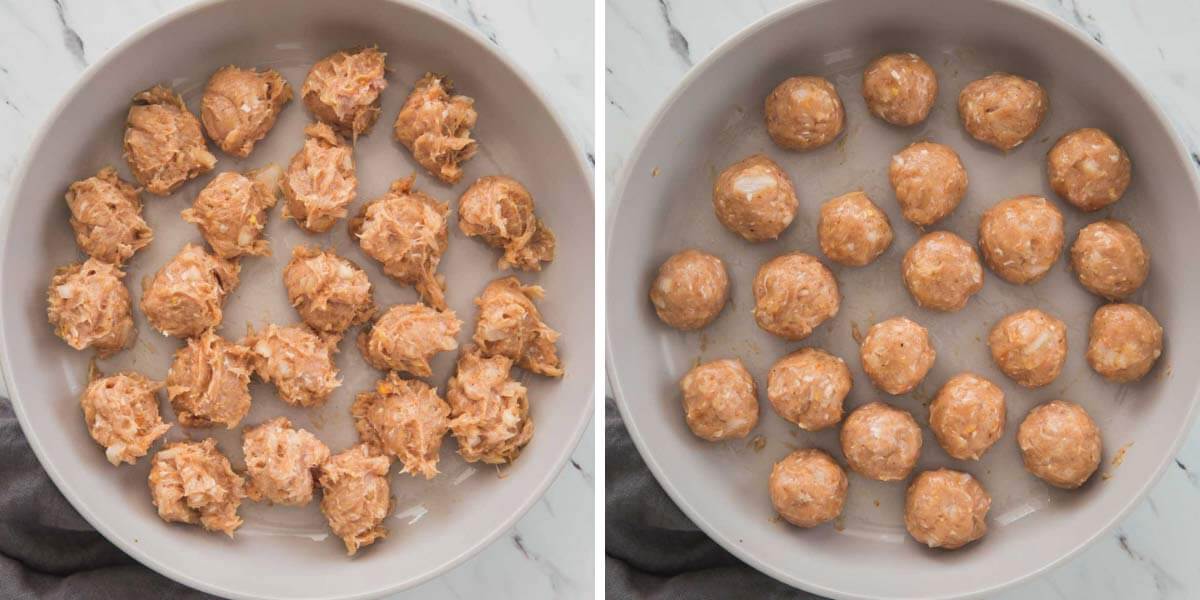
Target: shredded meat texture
column 330, row 292
column 406, row 420
column 297, row 361
column 121, row 412
column 106, row 214
column 208, row 383
column 406, row 336
column 356, row 496
column 239, row 107
column 231, row 212
column 499, row 210
column 342, row 89
column 163, row 143
column 281, row 462
column 89, row 307
column 510, row 325
column 435, row 125
column 489, row 412
column 185, row 296
column 320, row 182
column 192, row 482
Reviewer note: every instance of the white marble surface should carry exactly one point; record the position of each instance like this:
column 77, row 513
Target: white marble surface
column 651, row 44
column 45, row 45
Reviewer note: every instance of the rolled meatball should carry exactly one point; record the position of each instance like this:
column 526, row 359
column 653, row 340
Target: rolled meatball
column 946, row 509
column 320, row 181
column 435, row 125
column 239, row 107
column 231, row 212
column 499, row 210
column 281, row 462
column 804, row 113
column 405, row 419
column 297, row 361
column 929, row 180
column 967, row 416
column 329, row 292
column 192, row 482
column 808, row 388
column 509, row 324
column 897, row 354
column 89, row 307
column 900, row 88
column 690, row 290
column 209, row 382
column 720, row 400
column 185, row 296
column 1002, row 110
column 942, row 271
column 1060, row 444
column 342, row 90
column 489, row 411
column 1088, row 169
column 1109, row 259
column 755, row 199
column 881, row 442
column 808, row 488
column 406, row 336
column 852, row 230
column 1021, row 238
column 1030, row 347
column 121, row 413
column 1124, row 342
column 106, row 214
column 793, row 294
column 163, row 143
column 356, row 496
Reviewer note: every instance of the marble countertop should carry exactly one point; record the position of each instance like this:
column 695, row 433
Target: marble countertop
column 650, row 45
column 548, row 554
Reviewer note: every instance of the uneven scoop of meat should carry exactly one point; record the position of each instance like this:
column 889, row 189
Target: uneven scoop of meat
column 192, row 482
column 510, row 325
column 208, row 383
column 356, row 496
column 405, row 419
column 500, row 210
column 185, row 296
column 231, row 212
column 343, row 89
column 106, row 214
column 406, row 336
column 163, row 143
column 320, row 182
column 435, row 125
column 297, row 361
column 489, row 411
column 89, row 307
column 330, row 292
column 121, row 412
column 281, row 462
column 239, row 107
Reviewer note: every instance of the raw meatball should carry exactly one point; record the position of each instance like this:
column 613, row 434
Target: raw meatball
column 281, row 461
column 1124, row 342
column 691, row 289
column 1088, row 169
column 1002, row 110
column 852, row 230
column 1030, row 347
column 240, row 106
column 793, row 294
column 499, row 210
column 808, row 488
column 808, row 387
column 897, row 354
column 755, row 199
column 329, row 292
column 942, row 271
column 509, row 324
column 435, row 125
column 320, row 182
column 489, row 411
column 406, row 336
column 1109, row 259
column 900, row 88
column 720, row 400
column 881, row 442
column 929, row 181
column 946, row 509
column 967, row 416
column 407, row 232
column 231, row 212
column 1060, row 444
column 342, row 89
column 1021, row 238
column 121, row 413
column 208, row 383
column 185, row 296
column 406, row 420
column 163, row 143
column 192, row 482
column 89, row 307
column 356, row 497
column 106, row 214
column 297, row 361
column 804, row 113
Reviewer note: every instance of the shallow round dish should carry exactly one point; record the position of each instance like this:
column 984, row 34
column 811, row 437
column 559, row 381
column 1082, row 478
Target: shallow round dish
column 714, row 119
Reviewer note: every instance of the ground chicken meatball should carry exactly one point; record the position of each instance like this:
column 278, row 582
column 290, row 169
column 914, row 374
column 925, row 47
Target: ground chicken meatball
column 808, row 387
column 755, row 199
column 209, row 380
column 793, row 294
column 121, row 413
column 435, row 125
column 1088, row 169
column 808, row 488
column 185, row 296
column 499, row 210
column 320, row 182
column 510, row 325
column 881, row 442
column 1109, row 259
column 720, row 400
column 163, row 143
column 690, row 290
column 281, row 462
column 1021, row 238
column 967, row 416
column 406, row 420
column 897, row 354
column 929, row 181
column 231, row 212
column 804, row 113
column 329, row 292
column 489, row 412
column 1002, row 110
column 356, row 497
column 89, row 307
column 406, row 336
column 342, row 89
column 900, row 88
column 1124, row 342
column 297, row 361
column 942, row 271
column 1030, row 347
column 239, row 107
column 192, row 482
column 106, row 214
column 1060, row 444
column 852, row 230
column 946, row 509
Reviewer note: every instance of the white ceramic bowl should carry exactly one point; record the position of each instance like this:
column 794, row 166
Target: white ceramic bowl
column 436, row 524
column 714, row 118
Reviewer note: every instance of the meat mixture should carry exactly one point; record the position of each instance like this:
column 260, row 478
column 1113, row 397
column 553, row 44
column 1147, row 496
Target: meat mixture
column 942, row 271
column 342, row 89
column 900, row 88
column 1002, row 110
column 406, row 336
column 192, row 482
column 852, row 230
column 406, row 420
column 239, row 107
column 1088, row 169
column 755, row 199
column 1021, row 238
column 163, row 143
column 1060, row 444
column 1124, row 343
column 231, row 212
column 489, row 411
column 499, row 210
column 793, row 294
column 356, row 496
column 720, row 400
column 329, row 292
column 690, row 290
column 89, row 307
column 1109, row 259
column 881, row 442
column 946, row 509
column 106, row 214
column 804, row 113
column 185, row 296
column 208, row 383
column 320, row 181
column 897, row 354
column 435, row 125
column 929, row 180
column 281, row 462
column 1030, row 347
column 121, row 413
column 967, row 416
column 510, row 325
column 297, row 361
column 808, row 488
column 808, row 387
